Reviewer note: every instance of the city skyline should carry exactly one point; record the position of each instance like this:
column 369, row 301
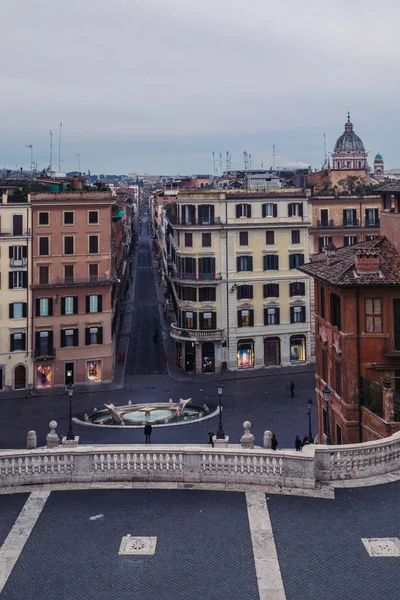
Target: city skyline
column 156, row 88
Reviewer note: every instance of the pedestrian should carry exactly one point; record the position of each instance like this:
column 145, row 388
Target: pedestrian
column 147, row 432
column 305, row 440
column 210, row 438
column 291, row 388
column 297, row 443
column 274, row 442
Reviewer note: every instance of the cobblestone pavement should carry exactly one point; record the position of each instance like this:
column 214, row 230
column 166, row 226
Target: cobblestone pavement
column 200, row 553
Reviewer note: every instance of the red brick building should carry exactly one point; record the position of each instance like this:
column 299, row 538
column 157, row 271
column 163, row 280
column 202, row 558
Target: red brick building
column 357, row 313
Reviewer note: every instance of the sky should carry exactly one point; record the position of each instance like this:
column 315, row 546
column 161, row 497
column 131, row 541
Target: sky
column 156, row 86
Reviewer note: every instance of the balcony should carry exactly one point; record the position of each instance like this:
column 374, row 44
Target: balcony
column 15, row 233
column 351, row 223
column 392, row 346
column 44, row 355
column 72, row 281
column 326, row 224
column 201, row 222
column 200, row 335
column 372, row 222
column 18, row 263
column 198, row 276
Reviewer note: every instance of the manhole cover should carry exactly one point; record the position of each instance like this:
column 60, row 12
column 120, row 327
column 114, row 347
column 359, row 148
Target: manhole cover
column 133, row 545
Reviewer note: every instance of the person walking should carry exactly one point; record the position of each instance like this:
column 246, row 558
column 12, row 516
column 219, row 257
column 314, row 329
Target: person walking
column 297, row 443
column 291, row 388
column 274, row 442
column 147, row 432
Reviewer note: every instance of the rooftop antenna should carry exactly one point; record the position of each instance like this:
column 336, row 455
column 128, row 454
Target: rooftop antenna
column 325, row 157
column 246, row 160
column 214, row 162
column 250, row 162
column 273, row 156
column 51, row 150
column 59, row 149
column 220, row 162
column 32, row 163
column 79, row 162
column 228, row 161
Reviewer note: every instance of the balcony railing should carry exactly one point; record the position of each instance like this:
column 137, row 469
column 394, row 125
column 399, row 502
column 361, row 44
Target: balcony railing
column 198, row 276
column 180, row 333
column 39, row 354
column 85, row 280
column 372, row 222
column 204, row 222
column 12, row 233
column 351, row 223
column 392, row 346
column 327, row 224
column 18, row 262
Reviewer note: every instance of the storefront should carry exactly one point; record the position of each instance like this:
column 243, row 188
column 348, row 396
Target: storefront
column 94, row 371
column 272, row 352
column 44, row 376
column 190, row 357
column 178, row 355
column 245, row 354
column 208, row 357
column 297, row 349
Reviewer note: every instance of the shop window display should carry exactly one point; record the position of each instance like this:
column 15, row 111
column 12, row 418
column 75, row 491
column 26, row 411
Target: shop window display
column 44, row 376
column 297, row 349
column 245, row 354
column 94, row 371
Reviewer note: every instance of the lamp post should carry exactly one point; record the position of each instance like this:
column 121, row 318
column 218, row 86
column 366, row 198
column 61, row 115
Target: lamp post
column 326, row 392
column 220, row 432
column 70, row 392
column 309, row 406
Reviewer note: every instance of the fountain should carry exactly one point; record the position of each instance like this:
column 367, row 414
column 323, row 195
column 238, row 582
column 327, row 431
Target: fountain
column 154, row 413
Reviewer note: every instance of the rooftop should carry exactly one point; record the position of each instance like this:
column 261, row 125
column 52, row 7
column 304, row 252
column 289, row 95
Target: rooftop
column 340, row 269
column 393, row 186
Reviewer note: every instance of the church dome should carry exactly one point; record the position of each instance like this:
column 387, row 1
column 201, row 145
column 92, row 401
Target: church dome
column 378, row 157
column 349, row 141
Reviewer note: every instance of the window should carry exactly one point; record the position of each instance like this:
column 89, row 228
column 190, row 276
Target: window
column 296, row 260
column 43, row 275
column 206, row 240
column 271, row 262
column 297, row 314
column 93, row 244
column 208, row 320
column 269, row 210
column 370, row 237
column 94, row 303
column 43, row 246
column 69, row 305
column 350, row 240
column 187, row 267
column 295, row 209
column 188, row 294
column 322, row 302
column 348, row 164
column 44, row 307
column 68, row 273
column 324, row 242
column 243, row 211
column 271, row 315
column 44, row 218
column 93, row 335
column 324, row 364
column 371, row 217
column 17, row 310
column 350, row 217
column 69, row 244
column 68, row 218
column 189, row 319
column 271, row 290
column 297, row 288
column 244, row 291
column 338, row 378
column 206, row 214
column 324, row 218
column 18, row 224
column 17, row 280
column 188, row 240
column 373, row 315
column 335, row 310
column 244, row 263
column 207, row 294
column 325, row 420
column 17, row 341
column 69, row 337
column 207, row 268
column 17, row 255
column 270, row 238
column 44, row 343
column 93, row 217
column 93, row 272
column 188, row 212
column 245, row 318
column 295, row 236
column 243, row 238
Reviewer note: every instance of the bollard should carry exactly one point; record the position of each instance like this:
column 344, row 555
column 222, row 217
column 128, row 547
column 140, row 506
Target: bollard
column 52, row 437
column 31, row 440
column 247, row 439
column 267, row 438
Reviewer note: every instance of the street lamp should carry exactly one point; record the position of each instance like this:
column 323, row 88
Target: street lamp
column 309, row 406
column 70, row 392
column 220, row 432
column 326, row 392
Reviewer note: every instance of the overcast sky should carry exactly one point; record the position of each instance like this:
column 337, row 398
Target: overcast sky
column 156, row 85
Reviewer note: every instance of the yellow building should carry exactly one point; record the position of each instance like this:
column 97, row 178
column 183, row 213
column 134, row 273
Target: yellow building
column 240, row 301
column 16, row 367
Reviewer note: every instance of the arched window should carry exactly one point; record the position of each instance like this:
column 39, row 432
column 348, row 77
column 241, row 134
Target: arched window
column 20, row 377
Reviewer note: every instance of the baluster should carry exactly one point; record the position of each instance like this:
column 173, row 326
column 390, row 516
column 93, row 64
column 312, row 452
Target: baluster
column 141, row 461
column 95, row 462
column 128, row 461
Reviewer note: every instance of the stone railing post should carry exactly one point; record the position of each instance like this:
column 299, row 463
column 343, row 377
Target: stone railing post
column 267, row 439
column 52, row 437
column 247, row 439
column 31, row 440
column 388, row 404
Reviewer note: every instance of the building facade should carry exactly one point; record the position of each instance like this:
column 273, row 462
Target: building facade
column 16, row 366
column 232, row 259
column 72, row 282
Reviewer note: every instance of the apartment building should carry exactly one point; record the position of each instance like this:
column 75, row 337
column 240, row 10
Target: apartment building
column 342, row 220
column 16, row 367
column 72, row 282
column 232, row 259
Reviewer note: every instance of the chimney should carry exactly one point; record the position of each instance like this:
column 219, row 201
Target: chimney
column 367, row 261
column 330, row 251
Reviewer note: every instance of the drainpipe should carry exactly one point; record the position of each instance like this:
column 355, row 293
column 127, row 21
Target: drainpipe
column 227, row 284
column 358, row 362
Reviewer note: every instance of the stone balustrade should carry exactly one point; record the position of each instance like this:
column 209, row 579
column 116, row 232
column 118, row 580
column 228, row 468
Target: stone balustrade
column 200, row 464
